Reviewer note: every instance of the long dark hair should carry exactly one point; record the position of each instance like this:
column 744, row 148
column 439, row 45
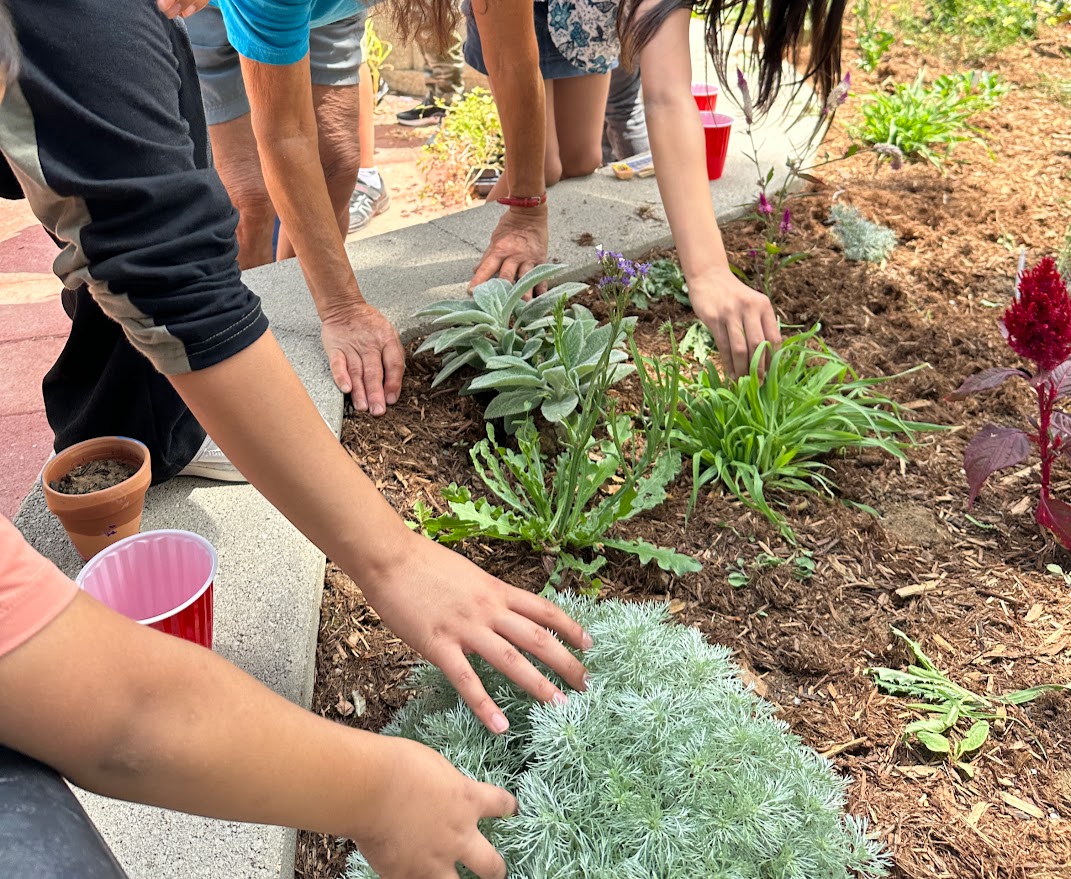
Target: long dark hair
column 430, row 22
column 773, row 28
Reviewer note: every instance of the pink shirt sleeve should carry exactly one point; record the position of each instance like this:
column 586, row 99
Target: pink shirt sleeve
column 33, row 591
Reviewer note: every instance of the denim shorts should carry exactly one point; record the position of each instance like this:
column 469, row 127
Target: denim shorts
column 335, row 56
column 552, row 63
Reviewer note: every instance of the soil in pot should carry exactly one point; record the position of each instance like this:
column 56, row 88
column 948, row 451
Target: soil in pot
column 94, row 476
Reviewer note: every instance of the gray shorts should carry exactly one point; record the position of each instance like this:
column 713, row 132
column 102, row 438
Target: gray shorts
column 335, row 56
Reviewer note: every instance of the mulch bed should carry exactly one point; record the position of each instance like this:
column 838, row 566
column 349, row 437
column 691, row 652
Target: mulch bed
column 971, row 585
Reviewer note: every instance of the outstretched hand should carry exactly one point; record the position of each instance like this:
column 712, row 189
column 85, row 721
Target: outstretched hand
column 425, row 814
column 739, row 318
column 447, row 608
column 366, row 357
column 518, row 244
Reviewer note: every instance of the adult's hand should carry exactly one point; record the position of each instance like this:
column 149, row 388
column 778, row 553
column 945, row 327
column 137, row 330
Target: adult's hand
column 180, row 8
column 366, row 357
column 422, row 816
column 518, row 244
column 738, row 317
column 446, row 608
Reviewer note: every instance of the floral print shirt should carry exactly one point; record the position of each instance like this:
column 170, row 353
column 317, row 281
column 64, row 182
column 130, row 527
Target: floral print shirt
column 585, row 32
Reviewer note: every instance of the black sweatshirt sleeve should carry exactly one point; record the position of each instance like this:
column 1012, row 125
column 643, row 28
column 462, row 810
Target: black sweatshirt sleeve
column 105, row 133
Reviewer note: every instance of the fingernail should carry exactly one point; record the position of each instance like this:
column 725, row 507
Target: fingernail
column 560, row 699
column 378, row 410
column 587, row 682
column 587, row 642
column 392, row 399
column 499, row 724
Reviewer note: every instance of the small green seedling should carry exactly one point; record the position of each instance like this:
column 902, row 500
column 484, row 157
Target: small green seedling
column 946, row 706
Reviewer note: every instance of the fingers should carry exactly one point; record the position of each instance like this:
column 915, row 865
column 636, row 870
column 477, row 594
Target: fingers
column 771, row 331
column 393, row 370
column 483, row 860
column 509, row 271
column 721, row 340
column 549, row 616
column 469, row 687
column 340, row 372
column 540, row 643
column 489, row 267
column 355, row 374
column 373, row 382
column 498, row 803
column 507, row 659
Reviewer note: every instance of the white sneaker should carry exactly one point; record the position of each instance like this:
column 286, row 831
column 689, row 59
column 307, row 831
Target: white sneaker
column 211, row 463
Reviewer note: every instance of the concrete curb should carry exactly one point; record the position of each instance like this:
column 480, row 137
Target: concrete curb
column 267, row 613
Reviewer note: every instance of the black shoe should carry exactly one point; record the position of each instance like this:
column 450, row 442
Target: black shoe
column 383, row 89
column 428, row 112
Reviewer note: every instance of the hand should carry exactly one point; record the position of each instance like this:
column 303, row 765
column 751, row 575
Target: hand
column 423, row 816
column 739, row 318
column 445, row 607
column 518, row 244
column 366, row 357
column 180, row 8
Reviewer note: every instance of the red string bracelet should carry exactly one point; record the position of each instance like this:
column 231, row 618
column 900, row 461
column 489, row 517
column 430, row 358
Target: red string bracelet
column 523, row 201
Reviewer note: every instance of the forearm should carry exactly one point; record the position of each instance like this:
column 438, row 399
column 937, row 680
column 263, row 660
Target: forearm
column 297, row 464
column 679, row 154
column 284, row 124
column 171, row 724
column 511, row 54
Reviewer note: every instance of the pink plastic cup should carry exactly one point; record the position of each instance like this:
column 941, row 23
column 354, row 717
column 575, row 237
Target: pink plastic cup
column 161, row 579
column 716, row 127
column 706, row 96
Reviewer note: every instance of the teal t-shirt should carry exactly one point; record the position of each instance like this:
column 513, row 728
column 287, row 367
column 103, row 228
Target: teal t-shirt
column 277, row 31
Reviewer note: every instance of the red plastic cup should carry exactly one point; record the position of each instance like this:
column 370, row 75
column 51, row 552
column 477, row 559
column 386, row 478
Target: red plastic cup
column 706, row 96
column 716, row 127
column 161, row 579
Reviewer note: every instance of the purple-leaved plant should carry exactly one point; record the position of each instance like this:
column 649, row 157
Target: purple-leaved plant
column 1037, row 327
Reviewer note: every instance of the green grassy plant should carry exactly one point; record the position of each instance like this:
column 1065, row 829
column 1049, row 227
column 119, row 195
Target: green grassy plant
column 859, row 238
column 755, row 436
column 926, row 122
column 669, row 766
column 468, row 142
column 947, row 707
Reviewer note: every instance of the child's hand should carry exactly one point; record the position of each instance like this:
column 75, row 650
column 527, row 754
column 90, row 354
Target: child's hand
column 739, row 318
column 180, row 8
column 422, row 817
column 446, row 608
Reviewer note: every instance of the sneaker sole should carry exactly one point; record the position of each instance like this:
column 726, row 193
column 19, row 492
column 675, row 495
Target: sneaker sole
column 213, row 471
column 421, row 123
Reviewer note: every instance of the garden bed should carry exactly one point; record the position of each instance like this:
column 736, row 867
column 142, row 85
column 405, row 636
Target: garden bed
column 971, row 585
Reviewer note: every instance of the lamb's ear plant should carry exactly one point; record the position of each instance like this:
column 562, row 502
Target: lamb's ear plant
column 697, row 342
column 947, row 707
column 559, row 377
column 860, row 239
column 496, row 322
column 756, row 435
column 1037, row 326
column 668, row 766
column 607, row 471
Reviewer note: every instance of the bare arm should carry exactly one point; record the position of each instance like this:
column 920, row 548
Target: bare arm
column 364, row 350
column 164, row 722
column 436, row 601
column 507, row 33
column 738, row 317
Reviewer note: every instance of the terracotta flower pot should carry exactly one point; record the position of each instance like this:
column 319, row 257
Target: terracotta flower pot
column 99, row 518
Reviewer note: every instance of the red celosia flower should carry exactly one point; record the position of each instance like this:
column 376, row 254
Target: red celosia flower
column 1038, row 322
